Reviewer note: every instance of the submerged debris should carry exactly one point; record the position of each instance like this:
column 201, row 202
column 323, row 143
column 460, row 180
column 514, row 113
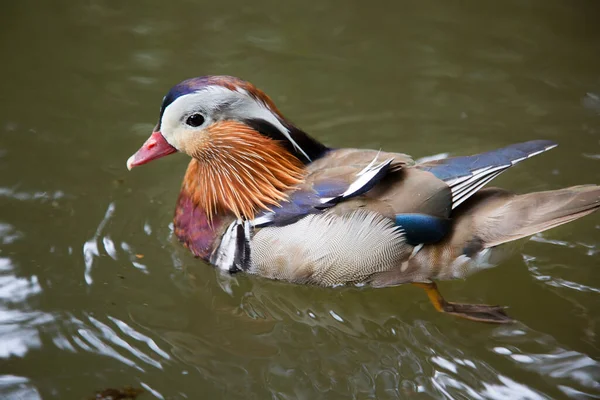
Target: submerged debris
column 126, row 393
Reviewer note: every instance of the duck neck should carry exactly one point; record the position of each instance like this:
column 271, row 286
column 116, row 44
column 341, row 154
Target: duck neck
column 240, row 172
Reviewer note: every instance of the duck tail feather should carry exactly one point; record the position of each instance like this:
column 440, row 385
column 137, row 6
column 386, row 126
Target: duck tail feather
column 500, row 217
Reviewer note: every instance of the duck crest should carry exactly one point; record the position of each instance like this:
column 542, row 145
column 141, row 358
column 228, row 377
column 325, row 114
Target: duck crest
column 237, row 171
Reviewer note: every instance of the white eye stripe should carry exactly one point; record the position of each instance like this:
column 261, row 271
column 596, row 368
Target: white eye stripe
column 212, row 100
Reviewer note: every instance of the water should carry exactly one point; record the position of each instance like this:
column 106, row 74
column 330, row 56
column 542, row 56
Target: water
column 95, row 293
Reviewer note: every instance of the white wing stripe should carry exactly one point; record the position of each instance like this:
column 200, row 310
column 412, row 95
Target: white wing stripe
column 465, row 195
column 474, row 178
column 463, row 187
column 365, row 176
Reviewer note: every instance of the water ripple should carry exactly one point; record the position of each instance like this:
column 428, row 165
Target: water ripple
column 129, row 331
column 18, row 333
column 31, row 196
column 90, row 248
column 536, row 272
column 8, row 235
column 100, row 338
column 556, row 362
column 17, row 387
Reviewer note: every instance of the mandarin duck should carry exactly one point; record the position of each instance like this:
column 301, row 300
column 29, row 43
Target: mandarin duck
column 263, row 197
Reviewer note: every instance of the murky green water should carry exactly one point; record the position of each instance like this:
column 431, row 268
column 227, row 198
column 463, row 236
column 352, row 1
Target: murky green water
column 95, row 292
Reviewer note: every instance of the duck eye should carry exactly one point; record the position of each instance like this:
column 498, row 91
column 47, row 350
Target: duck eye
column 195, row 120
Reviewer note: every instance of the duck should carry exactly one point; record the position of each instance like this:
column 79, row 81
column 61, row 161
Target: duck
column 260, row 196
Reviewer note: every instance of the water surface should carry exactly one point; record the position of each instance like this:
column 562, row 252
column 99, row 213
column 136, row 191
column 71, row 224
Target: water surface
column 95, row 293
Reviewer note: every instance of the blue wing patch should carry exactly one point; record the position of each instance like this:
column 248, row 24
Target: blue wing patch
column 300, row 204
column 422, row 228
column 330, row 188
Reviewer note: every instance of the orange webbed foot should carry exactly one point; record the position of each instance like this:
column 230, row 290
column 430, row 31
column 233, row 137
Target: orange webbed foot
column 473, row 312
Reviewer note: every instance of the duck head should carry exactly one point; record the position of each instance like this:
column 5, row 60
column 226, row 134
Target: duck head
column 245, row 154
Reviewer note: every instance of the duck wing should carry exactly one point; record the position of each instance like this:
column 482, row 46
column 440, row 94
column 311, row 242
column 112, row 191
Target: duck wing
column 337, row 177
